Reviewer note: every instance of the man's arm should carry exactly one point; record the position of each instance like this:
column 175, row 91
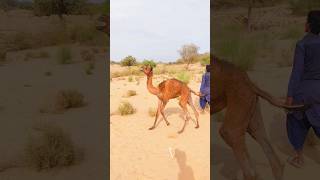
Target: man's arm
column 297, row 72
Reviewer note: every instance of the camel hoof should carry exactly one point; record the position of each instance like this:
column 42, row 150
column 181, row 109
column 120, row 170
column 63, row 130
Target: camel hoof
column 197, row 126
column 168, row 124
column 151, row 128
column 179, row 132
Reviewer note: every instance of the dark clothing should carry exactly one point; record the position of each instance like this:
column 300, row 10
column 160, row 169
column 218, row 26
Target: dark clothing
column 205, row 90
column 297, row 130
column 304, row 84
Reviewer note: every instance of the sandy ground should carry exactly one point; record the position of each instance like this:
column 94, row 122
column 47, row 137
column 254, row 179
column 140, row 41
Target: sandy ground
column 140, row 154
column 20, row 106
column 26, row 89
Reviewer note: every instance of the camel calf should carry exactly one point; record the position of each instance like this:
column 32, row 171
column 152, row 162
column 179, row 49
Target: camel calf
column 232, row 90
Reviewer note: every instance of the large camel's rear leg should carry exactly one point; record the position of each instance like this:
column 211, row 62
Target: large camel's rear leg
column 183, row 104
column 194, row 110
column 258, row 132
column 233, row 132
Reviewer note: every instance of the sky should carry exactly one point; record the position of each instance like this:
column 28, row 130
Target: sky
column 156, row 29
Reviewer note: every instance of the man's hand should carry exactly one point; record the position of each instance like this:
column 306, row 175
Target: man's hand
column 289, row 101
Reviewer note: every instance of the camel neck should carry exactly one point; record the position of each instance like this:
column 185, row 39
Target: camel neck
column 151, row 88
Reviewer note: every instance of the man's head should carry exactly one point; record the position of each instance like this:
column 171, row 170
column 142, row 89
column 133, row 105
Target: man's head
column 208, row 67
column 313, row 22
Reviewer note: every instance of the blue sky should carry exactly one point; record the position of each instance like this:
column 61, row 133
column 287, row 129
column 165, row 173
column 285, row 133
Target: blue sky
column 156, row 29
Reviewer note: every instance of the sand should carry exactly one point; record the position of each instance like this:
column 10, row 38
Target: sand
column 138, row 153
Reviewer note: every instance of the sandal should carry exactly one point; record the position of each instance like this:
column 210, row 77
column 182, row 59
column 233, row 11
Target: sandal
column 294, row 161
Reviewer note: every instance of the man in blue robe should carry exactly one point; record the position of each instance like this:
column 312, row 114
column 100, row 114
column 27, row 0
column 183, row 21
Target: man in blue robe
column 205, row 88
column 304, row 87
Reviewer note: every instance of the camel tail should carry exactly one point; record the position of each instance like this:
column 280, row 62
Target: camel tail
column 271, row 99
column 195, row 93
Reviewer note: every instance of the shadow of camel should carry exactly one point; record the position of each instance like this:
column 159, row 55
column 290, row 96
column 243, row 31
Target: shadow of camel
column 221, row 155
column 278, row 135
column 186, row 172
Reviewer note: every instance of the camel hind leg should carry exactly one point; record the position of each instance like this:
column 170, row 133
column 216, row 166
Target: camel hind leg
column 194, row 110
column 257, row 131
column 157, row 115
column 233, row 131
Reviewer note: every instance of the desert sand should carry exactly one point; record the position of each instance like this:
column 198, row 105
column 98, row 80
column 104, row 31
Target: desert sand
column 26, row 89
column 138, row 153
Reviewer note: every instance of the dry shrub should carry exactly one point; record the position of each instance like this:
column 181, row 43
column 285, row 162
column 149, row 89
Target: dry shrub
column 64, row 55
column 87, row 55
column 36, row 55
column 89, row 68
column 130, row 79
column 48, row 73
column 50, row 147
column 126, row 108
column 152, row 112
column 67, row 99
column 131, row 93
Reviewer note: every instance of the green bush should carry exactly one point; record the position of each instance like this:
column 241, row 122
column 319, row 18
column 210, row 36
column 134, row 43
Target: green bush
column 205, row 60
column 302, row 7
column 64, row 55
column 184, row 77
column 128, row 61
column 237, row 46
column 149, row 63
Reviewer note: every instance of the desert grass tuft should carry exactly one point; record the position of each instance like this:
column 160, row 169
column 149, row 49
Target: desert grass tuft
column 125, row 108
column 67, row 99
column 64, row 55
column 152, row 112
column 51, row 147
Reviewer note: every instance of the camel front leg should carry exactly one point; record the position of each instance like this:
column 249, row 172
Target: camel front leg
column 157, row 115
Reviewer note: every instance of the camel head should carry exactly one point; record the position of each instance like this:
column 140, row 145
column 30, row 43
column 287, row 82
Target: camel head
column 147, row 70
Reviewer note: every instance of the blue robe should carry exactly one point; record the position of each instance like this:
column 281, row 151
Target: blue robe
column 304, row 84
column 304, row 87
column 205, row 90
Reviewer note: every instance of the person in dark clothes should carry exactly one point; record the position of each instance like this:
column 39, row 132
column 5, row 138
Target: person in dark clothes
column 304, row 87
column 205, row 88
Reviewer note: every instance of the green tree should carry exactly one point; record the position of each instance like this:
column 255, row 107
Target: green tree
column 59, row 7
column 128, row 61
column 150, row 63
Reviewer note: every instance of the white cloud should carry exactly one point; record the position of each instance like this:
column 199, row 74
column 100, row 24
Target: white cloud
column 149, row 29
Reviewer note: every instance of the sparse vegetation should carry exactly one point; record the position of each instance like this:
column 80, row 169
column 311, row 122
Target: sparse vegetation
column 64, row 55
column 67, row 99
column 301, row 7
column 36, row 55
column 51, row 148
column 149, row 63
column 87, row 55
column 131, row 93
column 184, row 77
column 48, row 73
column 89, row 68
column 128, row 61
column 126, row 108
column 130, row 79
column 189, row 53
column 152, row 112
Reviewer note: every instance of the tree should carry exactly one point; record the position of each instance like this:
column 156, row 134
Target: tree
column 8, row 4
column 188, row 53
column 59, row 7
column 128, row 61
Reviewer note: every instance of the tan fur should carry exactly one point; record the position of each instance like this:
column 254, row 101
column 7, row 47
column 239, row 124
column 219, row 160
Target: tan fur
column 170, row 89
column 233, row 91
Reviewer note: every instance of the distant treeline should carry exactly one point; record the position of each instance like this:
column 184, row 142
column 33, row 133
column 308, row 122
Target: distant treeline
column 299, row 7
column 48, row 7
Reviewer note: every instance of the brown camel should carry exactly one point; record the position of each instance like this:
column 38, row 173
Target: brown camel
column 169, row 89
column 232, row 90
